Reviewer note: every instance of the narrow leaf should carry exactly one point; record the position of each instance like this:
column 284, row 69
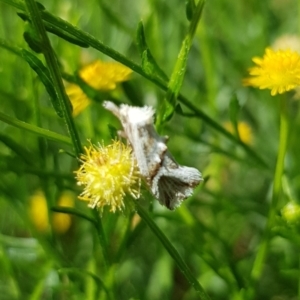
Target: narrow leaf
column 32, row 39
column 44, row 76
column 149, row 63
column 168, row 105
column 50, row 135
column 234, row 109
column 190, row 9
column 60, row 33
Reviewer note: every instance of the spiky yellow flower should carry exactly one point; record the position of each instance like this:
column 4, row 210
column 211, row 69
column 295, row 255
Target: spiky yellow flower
column 78, row 98
column 278, row 71
column 245, row 131
column 104, row 76
column 108, row 174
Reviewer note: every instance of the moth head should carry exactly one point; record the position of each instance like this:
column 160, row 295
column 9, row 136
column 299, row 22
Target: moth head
column 137, row 115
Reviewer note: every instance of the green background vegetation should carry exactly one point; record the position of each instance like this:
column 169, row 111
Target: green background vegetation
column 218, row 232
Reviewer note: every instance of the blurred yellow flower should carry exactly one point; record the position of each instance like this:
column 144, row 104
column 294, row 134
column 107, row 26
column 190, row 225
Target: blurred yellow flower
column 78, row 98
column 245, row 131
column 278, row 71
column 39, row 215
column 102, row 76
column 38, row 211
column 62, row 222
column 108, row 174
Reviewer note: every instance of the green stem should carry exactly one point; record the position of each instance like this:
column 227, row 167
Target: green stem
column 102, row 239
column 50, row 135
column 277, row 184
column 54, row 70
column 173, row 252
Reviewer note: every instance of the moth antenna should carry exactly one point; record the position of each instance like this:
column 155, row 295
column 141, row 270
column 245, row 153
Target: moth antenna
column 112, row 107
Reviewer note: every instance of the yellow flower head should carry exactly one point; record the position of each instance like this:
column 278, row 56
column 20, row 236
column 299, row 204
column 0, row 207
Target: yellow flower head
column 278, row 71
column 78, row 98
column 104, row 75
column 61, row 222
column 245, row 131
column 38, row 211
column 108, row 174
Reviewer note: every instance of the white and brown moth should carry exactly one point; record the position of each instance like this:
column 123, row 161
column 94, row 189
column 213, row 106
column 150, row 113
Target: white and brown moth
column 168, row 181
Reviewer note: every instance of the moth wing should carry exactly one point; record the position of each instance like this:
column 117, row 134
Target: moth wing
column 174, row 183
column 148, row 146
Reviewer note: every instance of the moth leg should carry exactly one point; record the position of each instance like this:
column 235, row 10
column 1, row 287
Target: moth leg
column 122, row 134
column 165, row 139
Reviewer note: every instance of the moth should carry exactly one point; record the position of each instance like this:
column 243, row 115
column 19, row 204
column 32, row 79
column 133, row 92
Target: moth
column 168, row 181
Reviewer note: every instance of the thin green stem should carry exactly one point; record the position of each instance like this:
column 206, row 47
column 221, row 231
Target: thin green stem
column 277, row 185
column 173, row 252
column 200, row 114
column 54, row 70
column 102, row 238
column 50, row 135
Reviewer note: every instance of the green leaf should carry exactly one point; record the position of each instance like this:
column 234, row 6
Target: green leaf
column 44, row 76
column 234, row 108
column 149, row 63
column 190, row 9
column 32, row 39
column 167, row 107
column 58, row 32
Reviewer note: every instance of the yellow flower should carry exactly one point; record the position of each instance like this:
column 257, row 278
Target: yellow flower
column 278, row 71
column 62, row 222
column 245, row 131
column 103, row 76
column 38, row 211
column 108, row 174
column 78, row 98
